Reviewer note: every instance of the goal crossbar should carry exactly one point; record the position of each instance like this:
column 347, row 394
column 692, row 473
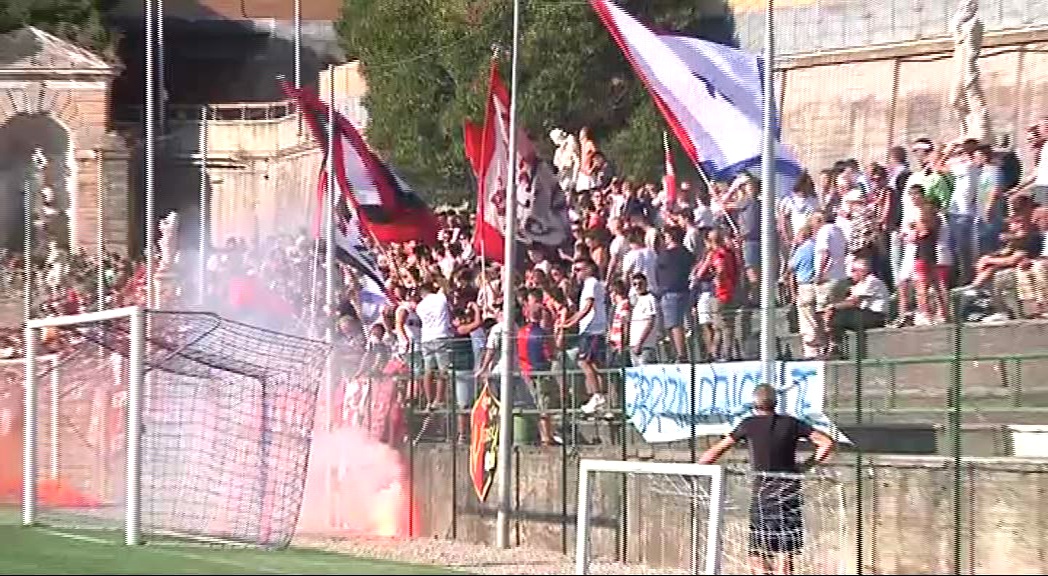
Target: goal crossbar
column 134, row 314
column 589, row 467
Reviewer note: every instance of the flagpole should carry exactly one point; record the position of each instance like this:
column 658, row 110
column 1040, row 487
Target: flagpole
column 204, row 212
column 298, row 44
column 329, row 252
column 505, row 460
column 150, row 120
column 162, row 112
column 768, row 231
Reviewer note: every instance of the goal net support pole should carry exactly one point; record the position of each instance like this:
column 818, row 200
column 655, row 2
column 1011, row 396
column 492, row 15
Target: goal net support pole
column 132, row 520
column 588, row 468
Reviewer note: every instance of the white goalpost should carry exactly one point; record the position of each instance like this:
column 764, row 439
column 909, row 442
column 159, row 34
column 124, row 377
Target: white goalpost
column 694, row 479
column 711, row 519
column 136, row 340
column 211, row 447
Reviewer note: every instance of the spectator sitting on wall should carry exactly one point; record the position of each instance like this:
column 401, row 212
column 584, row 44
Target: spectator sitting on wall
column 863, row 309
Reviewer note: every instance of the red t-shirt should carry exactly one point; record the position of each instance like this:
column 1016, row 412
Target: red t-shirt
column 726, row 275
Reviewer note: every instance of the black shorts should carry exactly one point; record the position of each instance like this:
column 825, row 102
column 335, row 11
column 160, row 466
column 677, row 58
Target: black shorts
column 776, row 516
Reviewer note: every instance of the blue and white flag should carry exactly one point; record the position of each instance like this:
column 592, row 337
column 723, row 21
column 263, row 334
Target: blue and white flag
column 709, row 94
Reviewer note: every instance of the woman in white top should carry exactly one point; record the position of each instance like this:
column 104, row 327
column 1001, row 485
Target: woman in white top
column 407, row 324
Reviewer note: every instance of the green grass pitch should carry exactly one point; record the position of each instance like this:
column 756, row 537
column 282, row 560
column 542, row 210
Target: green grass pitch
column 43, row 550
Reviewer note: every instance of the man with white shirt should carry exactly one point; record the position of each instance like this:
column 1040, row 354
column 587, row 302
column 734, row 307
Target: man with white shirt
column 863, row 308
column 592, row 320
column 435, row 313
column 640, row 259
column 960, row 211
column 831, row 252
column 1036, row 186
column 644, row 323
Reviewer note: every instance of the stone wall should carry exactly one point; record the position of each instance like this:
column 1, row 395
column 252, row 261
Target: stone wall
column 857, row 103
column 82, row 110
column 908, row 525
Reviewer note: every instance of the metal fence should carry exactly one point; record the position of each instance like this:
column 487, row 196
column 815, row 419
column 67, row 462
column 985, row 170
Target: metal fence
column 930, row 483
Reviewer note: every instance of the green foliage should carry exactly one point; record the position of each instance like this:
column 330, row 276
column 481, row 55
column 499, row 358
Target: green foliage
column 427, row 65
column 79, row 21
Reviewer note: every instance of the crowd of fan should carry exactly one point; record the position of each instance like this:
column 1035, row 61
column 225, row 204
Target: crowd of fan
column 645, row 279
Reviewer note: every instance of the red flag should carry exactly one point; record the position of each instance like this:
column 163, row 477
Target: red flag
column 493, row 175
column 388, row 207
column 473, row 139
column 669, row 179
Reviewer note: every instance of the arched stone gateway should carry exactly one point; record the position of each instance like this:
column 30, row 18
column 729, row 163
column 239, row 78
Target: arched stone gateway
column 54, row 96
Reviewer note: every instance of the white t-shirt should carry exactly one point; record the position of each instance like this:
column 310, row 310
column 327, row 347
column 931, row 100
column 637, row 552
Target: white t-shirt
column 436, row 317
column 943, row 253
column 645, row 309
column 643, row 261
column 412, row 326
column 703, row 216
column 966, row 183
column 830, row 240
column 495, row 344
column 617, row 251
column 989, row 180
column 1042, row 167
column 693, row 242
column 845, row 225
column 798, row 208
column 596, row 320
column 873, row 292
column 618, row 206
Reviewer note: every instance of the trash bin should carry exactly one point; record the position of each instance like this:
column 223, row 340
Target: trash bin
column 525, row 428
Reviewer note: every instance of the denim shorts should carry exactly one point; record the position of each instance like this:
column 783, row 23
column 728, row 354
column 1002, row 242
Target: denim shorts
column 674, row 307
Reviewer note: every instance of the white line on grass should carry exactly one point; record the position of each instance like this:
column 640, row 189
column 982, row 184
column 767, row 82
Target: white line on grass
column 250, row 567
column 78, row 537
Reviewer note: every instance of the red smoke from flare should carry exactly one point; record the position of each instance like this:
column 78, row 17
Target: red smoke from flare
column 355, row 486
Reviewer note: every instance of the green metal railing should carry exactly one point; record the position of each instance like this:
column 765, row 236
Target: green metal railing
column 950, row 393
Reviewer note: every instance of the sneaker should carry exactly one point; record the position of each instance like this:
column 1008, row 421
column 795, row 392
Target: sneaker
column 596, row 401
column 902, row 321
column 968, row 291
column 996, row 317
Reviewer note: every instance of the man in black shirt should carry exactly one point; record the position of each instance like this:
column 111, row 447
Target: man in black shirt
column 776, row 519
column 673, row 266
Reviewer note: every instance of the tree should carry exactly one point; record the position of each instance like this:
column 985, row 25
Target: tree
column 79, row 21
column 426, row 63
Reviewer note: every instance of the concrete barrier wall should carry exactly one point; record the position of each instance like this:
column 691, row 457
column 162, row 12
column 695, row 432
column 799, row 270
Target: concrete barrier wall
column 908, row 522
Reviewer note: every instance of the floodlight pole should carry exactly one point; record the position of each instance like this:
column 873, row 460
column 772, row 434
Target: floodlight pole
column 505, row 460
column 768, row 193
column 150, row 151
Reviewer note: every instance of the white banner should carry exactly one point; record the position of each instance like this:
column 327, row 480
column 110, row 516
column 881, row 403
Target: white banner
column 659, row 401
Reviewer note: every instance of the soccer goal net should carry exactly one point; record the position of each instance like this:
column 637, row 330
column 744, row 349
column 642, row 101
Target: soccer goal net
column 709, row 519
column 168, row 424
